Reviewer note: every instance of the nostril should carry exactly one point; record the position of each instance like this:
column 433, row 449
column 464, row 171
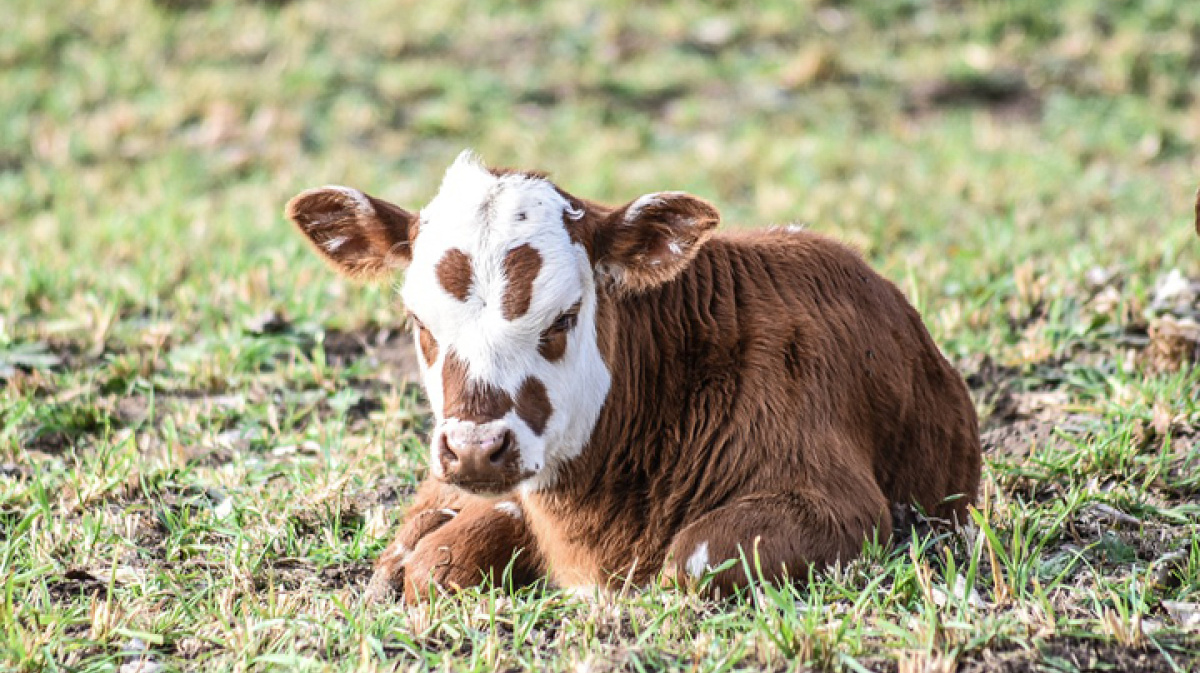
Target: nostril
column 499, row 453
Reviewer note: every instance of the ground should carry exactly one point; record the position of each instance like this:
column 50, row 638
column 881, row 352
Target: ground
column 206, row 437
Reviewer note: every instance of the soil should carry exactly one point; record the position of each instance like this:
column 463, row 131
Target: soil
column 391, row 347
column 1083, row 655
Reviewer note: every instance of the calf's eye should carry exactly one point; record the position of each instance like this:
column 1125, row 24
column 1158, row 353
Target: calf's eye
column 564, row 323
column 553, row 341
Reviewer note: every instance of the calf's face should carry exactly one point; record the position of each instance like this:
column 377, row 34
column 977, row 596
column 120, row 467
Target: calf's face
column 504, row 273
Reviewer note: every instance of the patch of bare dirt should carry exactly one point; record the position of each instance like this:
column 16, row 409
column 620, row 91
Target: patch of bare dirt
column 1004, row 92
column 1075, row 654
column 199, row 5
column 293, row 573
column 1026, row 405
column 74, row 583
column 390, row 347
column 350, row 511
column 1174, row 342
column 1018, row 437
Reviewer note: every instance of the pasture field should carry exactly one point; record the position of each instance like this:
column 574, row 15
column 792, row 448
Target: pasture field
column 206, row 437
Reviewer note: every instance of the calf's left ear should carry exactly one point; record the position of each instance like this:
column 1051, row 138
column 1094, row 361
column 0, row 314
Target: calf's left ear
column 360, row 235
column 650, row 240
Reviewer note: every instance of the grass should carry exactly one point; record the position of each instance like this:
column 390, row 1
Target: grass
column 205, row 437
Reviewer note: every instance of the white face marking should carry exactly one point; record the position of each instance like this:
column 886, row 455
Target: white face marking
column 485, row 216
column 510, row 508
column 697, row 563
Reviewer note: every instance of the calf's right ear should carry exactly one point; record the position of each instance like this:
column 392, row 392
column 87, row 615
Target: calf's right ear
column 649, row 241
column 360, row 235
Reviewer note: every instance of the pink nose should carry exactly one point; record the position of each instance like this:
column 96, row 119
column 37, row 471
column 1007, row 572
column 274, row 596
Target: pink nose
column 476, row 454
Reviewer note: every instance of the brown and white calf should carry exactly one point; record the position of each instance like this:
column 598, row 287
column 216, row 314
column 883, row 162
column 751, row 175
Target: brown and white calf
column 619, row 392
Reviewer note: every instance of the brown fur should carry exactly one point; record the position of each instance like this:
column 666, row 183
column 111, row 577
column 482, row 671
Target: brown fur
column 819, row 395
column 635, row 253
column 454, row 273
column 475, row 546
column 785, row 418
column 375, row 240
column 533, row 405
column 453, row 540
column 521, row 266
column 429, row 345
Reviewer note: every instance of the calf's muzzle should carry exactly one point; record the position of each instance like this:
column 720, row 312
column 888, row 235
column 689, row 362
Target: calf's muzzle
column 480, row 457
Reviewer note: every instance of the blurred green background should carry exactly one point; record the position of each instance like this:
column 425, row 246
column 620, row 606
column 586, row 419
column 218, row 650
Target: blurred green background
column 197, row 414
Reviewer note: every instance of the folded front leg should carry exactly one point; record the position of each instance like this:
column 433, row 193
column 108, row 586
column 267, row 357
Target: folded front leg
column 435, row 505
column 477, row 545
column 777, row 535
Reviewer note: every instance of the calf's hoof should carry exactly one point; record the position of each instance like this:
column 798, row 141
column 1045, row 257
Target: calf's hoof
column 390, row 570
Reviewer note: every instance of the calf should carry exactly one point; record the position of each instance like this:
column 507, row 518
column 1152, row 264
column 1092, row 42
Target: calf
column 620, row 393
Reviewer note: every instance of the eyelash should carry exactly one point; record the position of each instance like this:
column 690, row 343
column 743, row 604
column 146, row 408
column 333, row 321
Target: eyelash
column 565, row 322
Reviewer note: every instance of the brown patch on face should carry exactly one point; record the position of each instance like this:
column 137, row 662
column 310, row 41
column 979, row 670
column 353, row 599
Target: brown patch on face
column 454, row 273
column 521, row 266
column 553, row 343
column 429, row 345
column 533, row 405
column 470, row 400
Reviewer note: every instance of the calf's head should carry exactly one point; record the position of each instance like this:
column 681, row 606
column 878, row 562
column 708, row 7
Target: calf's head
column 504, row 275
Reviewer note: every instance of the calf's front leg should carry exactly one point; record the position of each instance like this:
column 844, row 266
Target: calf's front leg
column 479, row 544
column 779, row 535
column 434, row 505
column 453, row 539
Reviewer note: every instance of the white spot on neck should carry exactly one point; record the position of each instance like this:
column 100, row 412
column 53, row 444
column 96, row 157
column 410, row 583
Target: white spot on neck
column 697, row 563
column 510, row 508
